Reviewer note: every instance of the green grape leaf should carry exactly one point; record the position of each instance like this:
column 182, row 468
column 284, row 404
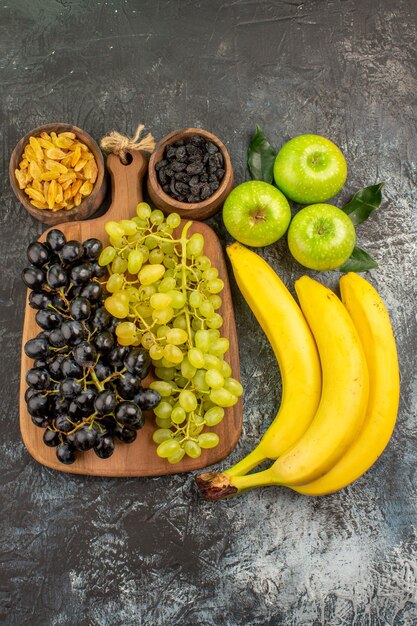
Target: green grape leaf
column 363, row 203
column 359, row 261
column 261, row 157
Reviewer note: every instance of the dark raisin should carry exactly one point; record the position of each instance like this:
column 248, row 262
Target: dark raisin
column 219, row 159
column 194, row 180
column 211, row 147
column 172, row 188
column 181, row 154
column 220, row 173
column 178, row 143
column 204, row 177
column 169, row 171
column 182, row 188
column 176, row 166
column 166, row 188
column 170, row 152
column 180, row 198
column 182, row 176
column 163, row 179
column 194, row 168
column 160, row 164
column 205, row 191
column 214, row 185
column 193, row 199
column 197, row 140
column 212, row 178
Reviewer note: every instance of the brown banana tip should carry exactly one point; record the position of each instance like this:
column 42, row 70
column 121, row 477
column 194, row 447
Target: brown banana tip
column 214, row 486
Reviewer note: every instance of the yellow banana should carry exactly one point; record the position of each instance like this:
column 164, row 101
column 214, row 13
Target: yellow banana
column 342, row 405
column 284, row 325
column 372, row 322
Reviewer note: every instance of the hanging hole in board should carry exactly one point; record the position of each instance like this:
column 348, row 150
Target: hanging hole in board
column 127, row 160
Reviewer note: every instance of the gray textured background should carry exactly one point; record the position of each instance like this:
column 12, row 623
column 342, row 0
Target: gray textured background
column 84, row 551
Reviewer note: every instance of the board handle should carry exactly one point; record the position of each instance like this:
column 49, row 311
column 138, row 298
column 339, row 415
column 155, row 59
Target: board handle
column 126, row 183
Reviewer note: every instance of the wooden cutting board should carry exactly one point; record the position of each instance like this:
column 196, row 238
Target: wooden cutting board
column 138, row 458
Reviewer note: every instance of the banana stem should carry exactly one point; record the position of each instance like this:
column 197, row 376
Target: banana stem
column 215, row 486
column 247, row 464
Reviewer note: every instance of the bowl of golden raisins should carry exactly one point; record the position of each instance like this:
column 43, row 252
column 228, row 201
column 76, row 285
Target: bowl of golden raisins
column 57, row 172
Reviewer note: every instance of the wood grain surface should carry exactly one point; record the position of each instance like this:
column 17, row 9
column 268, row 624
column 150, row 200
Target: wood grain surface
column 138, row 458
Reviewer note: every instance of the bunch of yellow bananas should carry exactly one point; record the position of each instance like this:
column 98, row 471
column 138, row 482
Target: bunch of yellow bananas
column 340, row 382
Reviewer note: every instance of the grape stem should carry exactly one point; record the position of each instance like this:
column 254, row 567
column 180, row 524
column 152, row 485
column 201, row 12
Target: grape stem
column 183, row 241
column 95, row 379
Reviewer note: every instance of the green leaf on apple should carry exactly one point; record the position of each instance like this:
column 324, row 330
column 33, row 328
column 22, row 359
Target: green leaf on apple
column 359, row 261
column 261, row 157
column 363, row 203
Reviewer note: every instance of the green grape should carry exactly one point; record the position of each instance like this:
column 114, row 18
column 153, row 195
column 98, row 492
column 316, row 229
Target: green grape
column 173, row 220
column 178, row 415
column 141, row 224
column 167, row 284
column 173, row 354
column 163, row 423
column 134, row 261
column 145, row 253
column 206, row 309
column 176, row 458
column 132, row 293
column 125, row 330
column 156, row 256
column 129, row 227
column 156, row 352
column 215, row 301
column 167, row 247
column 197, row 324
column 163, row 410
column 115, row 283
column 196, row 358
column 211, row 273
column 166, row 363
column 162, row 434
column 113, row 229
column 187, row 400
column 168, row 448
column 214, row 334
column 119, row 265
column 178, row 298
column 214, row 379
column 157, row 217
column 234, row 386
column 225, row 369
column 195, row 299
column 215, row 321
column 169, row 261
column 187, row 370
column 146, row 291
column 143, row 210
column 202, row 340
column 180, row 322
column 214, row 416
column 212, row 362
column 195, row 245
column 162, row 331
column 181, row 382
column 208, row 440
column 160, row 300
column 163, row 387
column 198, row 426
column 150, row 274
column 106, row 256
column 199, row 381
column 147, row 340
column 117, row 305
column 165, row 373
column 215, row 286
column 219, row 347
column 151, row 242
column 132, row 239
column 222, row 397
column 192, row 449
column 163, row 316
column 143, row 310
column 176, row 336
column 203, row 263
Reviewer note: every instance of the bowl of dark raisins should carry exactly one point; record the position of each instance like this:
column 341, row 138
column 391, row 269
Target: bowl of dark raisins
column 190, row 173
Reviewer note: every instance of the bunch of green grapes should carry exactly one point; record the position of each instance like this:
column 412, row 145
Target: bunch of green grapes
column 167, row 294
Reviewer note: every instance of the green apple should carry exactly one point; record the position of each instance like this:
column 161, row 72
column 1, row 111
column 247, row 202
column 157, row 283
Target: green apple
column 310, row 168
column 321, row 237
column 256, row 213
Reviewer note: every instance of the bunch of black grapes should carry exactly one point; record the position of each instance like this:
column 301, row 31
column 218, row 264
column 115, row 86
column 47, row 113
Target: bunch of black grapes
column 84, row 388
